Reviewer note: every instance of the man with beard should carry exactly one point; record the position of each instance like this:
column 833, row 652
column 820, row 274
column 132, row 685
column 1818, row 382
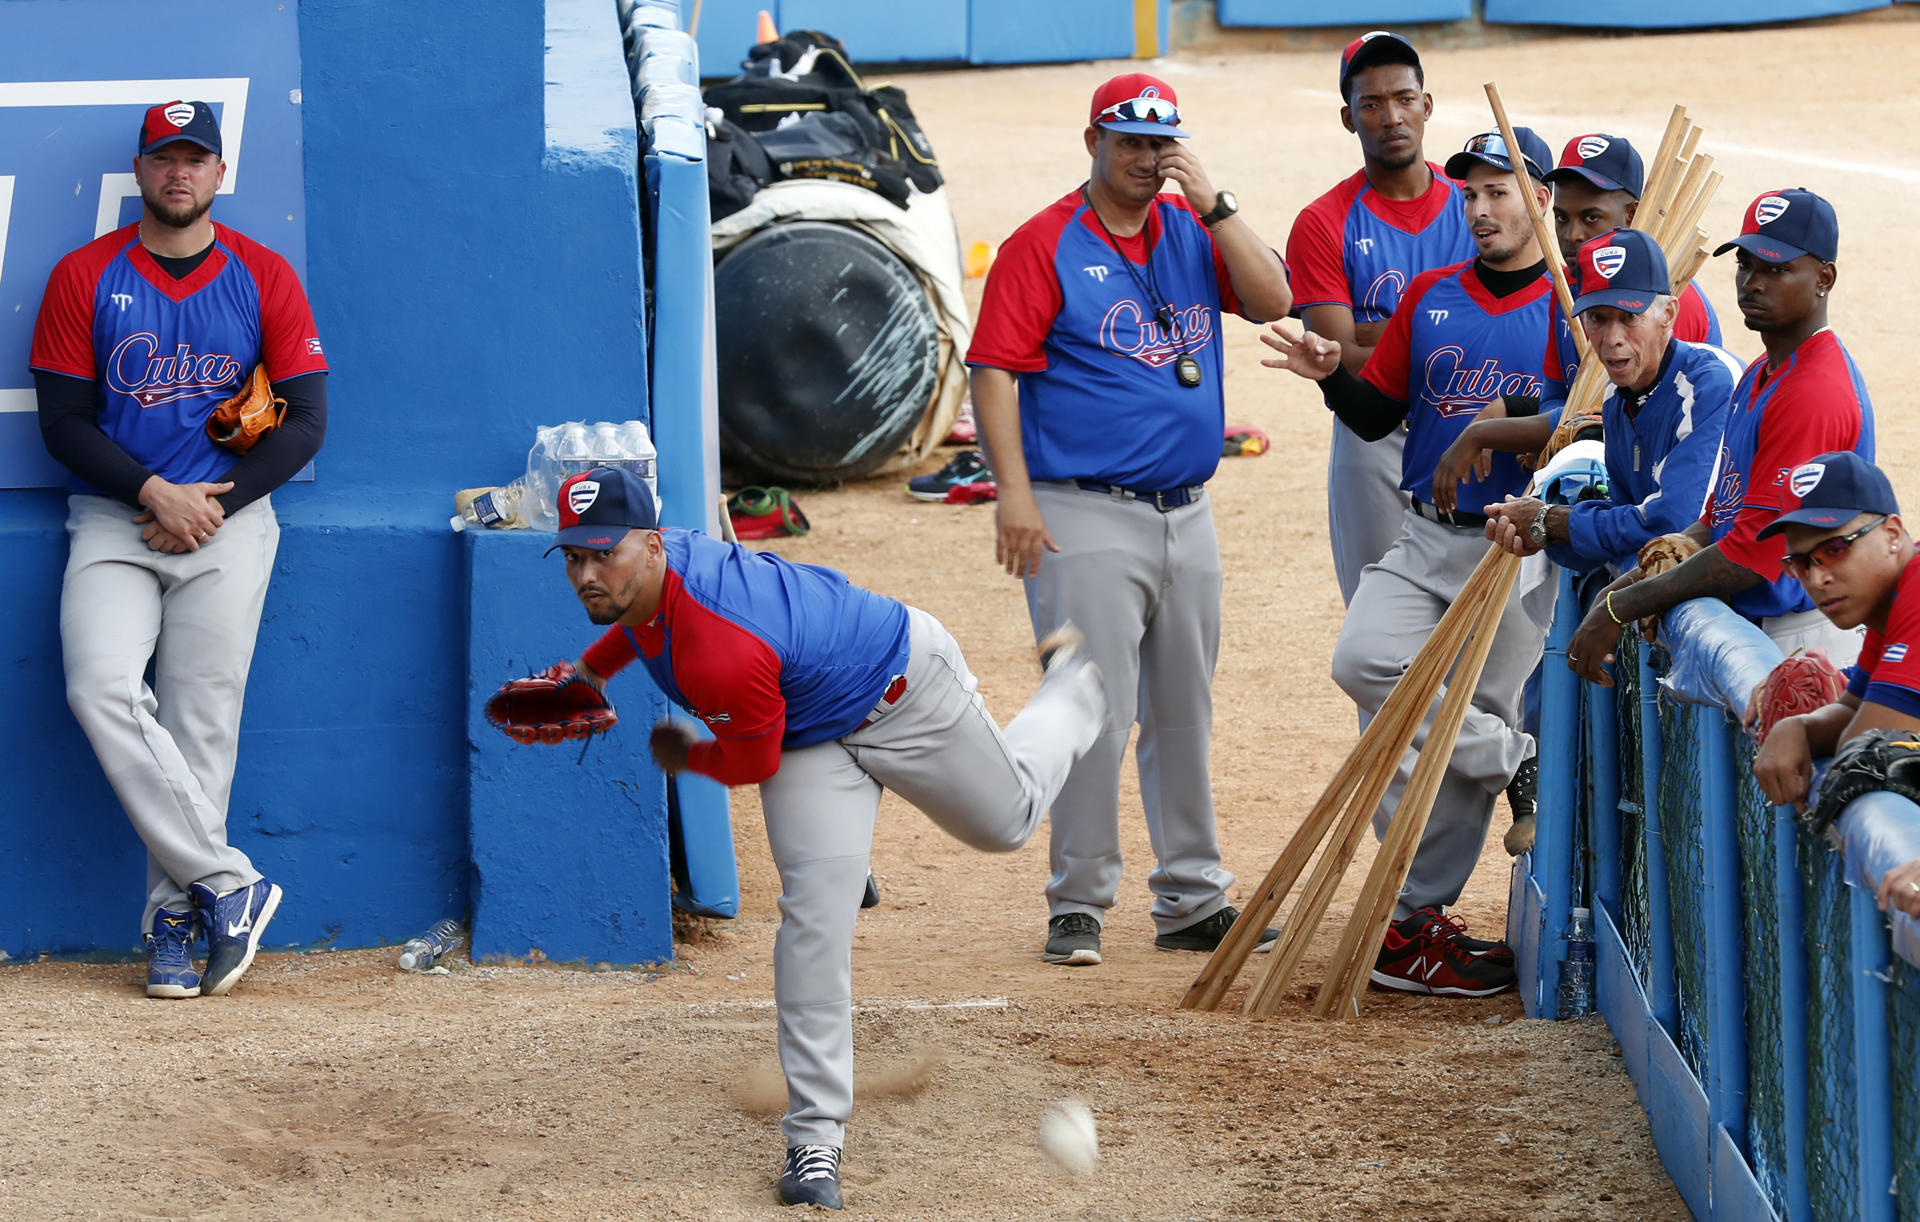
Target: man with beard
column 1803, row 396
column 1352, row 253
column 140, row 335
column 822, row 694
column 1461, row 337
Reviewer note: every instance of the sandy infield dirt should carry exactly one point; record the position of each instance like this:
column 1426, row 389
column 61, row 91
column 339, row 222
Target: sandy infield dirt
column 331, row 1087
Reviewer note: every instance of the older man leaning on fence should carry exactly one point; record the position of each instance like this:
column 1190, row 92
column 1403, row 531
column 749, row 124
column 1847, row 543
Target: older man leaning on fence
column 1851, row 553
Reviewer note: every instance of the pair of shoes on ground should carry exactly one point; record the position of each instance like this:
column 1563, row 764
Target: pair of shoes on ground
column 811, row 1177
column 1073, row 938
column 1430, row 952
column 234, row 921
column 961, row 481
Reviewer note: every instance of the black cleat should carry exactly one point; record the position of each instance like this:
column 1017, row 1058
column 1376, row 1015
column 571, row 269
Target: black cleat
column 871, row 897
column 812, row 1177
column 1522, row 793
column 1206, row 935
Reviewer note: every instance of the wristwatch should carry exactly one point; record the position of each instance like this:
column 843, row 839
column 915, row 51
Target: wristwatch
column 1537, row 533
column 1224, row 206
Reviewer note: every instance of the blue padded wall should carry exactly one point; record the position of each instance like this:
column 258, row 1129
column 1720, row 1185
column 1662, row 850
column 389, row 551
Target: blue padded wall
column 1653, row 14
column 1366, row 14
column 473, row 256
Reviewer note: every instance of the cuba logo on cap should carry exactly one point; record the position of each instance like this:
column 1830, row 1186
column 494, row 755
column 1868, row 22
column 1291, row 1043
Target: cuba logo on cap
column 1805, row 478
column 1608, row 260
column 582, row 495
column 179, row 114
column 1592, row 146
column 1770, row 208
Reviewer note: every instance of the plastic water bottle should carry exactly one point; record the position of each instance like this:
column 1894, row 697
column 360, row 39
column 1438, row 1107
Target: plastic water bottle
column 419, row 953
column 1576, row 972
column 503, row 507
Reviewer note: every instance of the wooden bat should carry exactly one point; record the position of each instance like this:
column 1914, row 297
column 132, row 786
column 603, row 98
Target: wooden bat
column 1549, row 245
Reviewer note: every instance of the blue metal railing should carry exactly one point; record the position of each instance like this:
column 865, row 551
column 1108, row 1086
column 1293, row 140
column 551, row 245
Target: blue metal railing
column 1768, row 1012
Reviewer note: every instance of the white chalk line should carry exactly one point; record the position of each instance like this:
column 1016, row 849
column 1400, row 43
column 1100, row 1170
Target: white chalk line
column 904, row 1006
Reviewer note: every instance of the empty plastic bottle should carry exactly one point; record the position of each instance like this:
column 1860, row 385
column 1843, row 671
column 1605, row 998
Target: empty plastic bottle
column 510, row 505
column 419, row 954
column 1576, row 971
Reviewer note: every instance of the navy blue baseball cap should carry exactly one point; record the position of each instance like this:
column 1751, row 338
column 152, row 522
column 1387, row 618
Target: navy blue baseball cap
column 1608, row 162
column 1490, row 148
column 1780, row 226
column 171, row 121
column 1834, row 489
column 1622, row 268
column 1374, row 47
column 598, row 508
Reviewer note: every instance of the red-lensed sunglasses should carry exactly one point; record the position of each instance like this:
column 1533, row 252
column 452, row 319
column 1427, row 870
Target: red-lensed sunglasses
column 1827, row 551
column 1145, row 109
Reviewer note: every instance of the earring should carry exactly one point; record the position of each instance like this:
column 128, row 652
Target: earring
column 1823, row 292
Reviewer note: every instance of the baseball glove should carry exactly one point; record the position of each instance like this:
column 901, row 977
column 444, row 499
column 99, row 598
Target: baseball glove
column 239, row 423
column 1569, row 431
column 1878, row 760
column 1800, row 684
column 1657, row 555
column 551, row 707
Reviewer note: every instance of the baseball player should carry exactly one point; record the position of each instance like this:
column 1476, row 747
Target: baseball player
column 1097, row 390
column 1845, row 544
column 1462, row 337
column 1596, row 188
column 823, row 694
column 1848, row 548
column 141, row 333
column 1662, row 419
column 1803, row 397
column 1352, row 253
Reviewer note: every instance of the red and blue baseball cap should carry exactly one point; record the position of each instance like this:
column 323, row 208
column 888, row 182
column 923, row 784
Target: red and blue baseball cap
column 1834, row 489
column 1490, row 148
column 1608, row 162
column 598, row 508
column 177, row 120
column 1374, row 47
column 1623, row 268
column 1780, row 226
column 1138, row 104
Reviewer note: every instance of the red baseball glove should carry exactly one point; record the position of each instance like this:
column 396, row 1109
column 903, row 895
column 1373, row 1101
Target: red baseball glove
column 551, row 707
column 1800, row 684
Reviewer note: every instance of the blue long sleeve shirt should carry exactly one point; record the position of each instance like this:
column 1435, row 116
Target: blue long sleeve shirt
column 1663, row 447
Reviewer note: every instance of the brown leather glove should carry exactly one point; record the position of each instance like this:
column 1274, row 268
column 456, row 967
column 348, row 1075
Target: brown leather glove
column 239, row 423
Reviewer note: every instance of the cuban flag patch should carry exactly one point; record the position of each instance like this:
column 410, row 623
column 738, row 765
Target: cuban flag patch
column 1894, row 653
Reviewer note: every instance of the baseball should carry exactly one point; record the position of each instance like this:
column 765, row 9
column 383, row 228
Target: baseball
column 1067, row 1137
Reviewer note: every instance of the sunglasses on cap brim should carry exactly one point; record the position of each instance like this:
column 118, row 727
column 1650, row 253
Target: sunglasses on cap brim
column 1144, row 109
column 1493, row 144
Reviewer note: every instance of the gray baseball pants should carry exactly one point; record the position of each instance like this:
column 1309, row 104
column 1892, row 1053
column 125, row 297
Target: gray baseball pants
column 1364, row 502
column 1398, row 605
column 1145, row 588
column 168, row 750
column 938, row 748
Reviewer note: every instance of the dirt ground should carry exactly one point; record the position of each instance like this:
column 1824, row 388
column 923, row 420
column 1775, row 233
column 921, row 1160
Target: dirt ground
column 332, row 1087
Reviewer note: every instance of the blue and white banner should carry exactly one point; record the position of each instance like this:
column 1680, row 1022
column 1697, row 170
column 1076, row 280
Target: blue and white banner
column 75, row 80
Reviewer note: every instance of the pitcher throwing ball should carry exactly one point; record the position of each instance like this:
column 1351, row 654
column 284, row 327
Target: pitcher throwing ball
column 823, row 694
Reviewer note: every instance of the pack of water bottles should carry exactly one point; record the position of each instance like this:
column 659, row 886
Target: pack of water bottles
column 560, row 450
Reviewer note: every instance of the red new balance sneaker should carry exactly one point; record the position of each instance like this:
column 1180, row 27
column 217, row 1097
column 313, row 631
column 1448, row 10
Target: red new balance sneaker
column 1429, row 952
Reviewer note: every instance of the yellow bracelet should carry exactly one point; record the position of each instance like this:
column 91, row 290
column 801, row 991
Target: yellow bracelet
column 1610, row 615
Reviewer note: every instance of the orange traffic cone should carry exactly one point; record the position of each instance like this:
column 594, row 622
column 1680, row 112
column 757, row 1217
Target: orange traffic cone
column 768, row 31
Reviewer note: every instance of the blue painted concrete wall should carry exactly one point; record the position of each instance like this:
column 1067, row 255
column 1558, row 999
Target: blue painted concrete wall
column 473, row 257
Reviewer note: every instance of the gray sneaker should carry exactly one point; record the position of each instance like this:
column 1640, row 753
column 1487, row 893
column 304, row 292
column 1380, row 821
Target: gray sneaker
column 1073, row 939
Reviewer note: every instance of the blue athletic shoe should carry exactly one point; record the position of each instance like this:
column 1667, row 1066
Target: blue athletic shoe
column 234, row 920
column 811, row 1177
column 170, row 956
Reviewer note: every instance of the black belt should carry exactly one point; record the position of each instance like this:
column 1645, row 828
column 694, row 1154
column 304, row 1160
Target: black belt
column 1460, row 519
column 1170, row 498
